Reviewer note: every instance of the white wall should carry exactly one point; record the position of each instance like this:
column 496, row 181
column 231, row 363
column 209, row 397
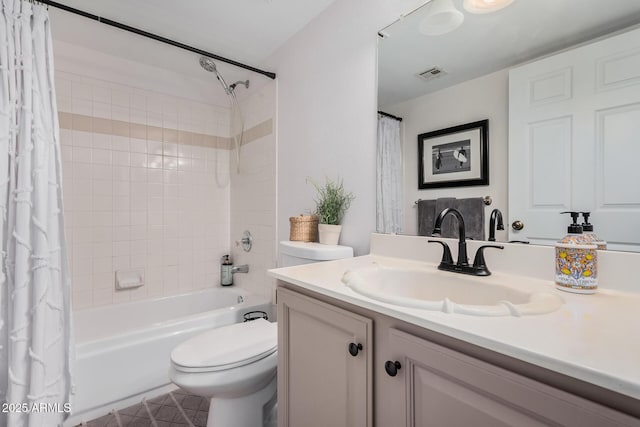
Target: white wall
column 482, row 98
column 327, row 112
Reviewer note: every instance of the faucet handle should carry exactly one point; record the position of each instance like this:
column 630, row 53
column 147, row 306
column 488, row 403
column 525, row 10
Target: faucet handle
column 478, row 261
column 446, row 252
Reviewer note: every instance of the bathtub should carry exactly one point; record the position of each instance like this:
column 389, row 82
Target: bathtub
column 122, row 351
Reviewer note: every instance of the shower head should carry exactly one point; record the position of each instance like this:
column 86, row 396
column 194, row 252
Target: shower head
column 236, row 113
column 209, row 65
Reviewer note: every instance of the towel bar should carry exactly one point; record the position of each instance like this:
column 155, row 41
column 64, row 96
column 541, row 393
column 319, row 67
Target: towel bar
column 487, row 200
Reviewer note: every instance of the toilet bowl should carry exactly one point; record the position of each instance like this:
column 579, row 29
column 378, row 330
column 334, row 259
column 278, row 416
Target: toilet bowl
column 234, row 366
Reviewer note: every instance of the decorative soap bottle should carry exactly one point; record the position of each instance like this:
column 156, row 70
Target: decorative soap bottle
column 576, row 261
column 592, row 237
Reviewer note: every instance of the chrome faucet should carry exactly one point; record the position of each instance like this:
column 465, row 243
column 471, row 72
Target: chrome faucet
column 495, row 215
column 479, row 267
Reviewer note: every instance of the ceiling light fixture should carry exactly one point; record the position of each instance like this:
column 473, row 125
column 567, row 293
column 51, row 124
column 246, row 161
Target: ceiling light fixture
column 442, row 17
column 485, row 6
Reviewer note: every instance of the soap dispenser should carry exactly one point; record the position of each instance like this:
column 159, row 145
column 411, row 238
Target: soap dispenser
column 226, row 276
column 590, row 235
column 576, row 261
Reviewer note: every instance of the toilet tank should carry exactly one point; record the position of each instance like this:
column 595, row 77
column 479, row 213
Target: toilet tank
column 298, row 253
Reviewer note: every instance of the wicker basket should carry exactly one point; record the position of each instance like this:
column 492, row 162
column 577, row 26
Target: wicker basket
column 303, row 228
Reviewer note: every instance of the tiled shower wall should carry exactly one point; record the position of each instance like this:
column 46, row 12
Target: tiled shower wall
column 253, row 191
column 146, row 185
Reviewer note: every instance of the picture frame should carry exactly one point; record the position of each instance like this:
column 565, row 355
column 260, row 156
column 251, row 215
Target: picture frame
column 454, row 157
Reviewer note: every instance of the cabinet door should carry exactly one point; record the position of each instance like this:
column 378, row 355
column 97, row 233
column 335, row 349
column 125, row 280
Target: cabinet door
column 445, row 388
column 320, row 383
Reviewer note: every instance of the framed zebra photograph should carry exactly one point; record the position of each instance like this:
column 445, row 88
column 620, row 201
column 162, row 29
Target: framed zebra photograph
column 454, row 157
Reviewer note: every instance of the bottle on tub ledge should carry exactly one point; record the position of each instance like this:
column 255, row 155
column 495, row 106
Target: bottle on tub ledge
column 589, row 234
column 226, row 274
column 576, row 260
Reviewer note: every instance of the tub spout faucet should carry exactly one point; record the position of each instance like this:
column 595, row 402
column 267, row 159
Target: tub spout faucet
column 240, row 269
column 479, row 267
column 495, row 215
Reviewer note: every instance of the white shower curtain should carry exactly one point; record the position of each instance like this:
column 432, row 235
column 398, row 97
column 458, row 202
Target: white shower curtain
column 389, row 213
column 35, row 336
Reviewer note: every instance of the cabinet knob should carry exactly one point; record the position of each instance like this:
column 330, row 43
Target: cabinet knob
column 392, row 367
column 517, row 225
column 354, row 348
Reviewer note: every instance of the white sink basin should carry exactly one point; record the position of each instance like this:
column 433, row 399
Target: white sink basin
column 432, row 289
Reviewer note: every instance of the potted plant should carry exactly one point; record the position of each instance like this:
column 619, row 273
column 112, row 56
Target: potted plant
column 332, row 201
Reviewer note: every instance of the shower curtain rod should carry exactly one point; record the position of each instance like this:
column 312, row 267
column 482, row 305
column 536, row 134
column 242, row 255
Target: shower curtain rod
column 156, row 37
column 391, row 116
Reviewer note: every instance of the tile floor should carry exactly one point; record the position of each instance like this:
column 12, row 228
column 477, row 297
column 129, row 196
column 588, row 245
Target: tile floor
column 176, row 409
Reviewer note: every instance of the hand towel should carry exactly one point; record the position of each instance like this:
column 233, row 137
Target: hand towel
column 472, row 210
column 449, row 227
column 426, row 217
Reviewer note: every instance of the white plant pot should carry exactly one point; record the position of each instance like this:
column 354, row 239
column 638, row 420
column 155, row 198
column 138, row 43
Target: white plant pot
column 329, row 234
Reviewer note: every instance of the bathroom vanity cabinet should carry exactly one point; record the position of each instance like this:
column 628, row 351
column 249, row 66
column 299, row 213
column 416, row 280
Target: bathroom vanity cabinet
column 326, row 364
column 406, row 375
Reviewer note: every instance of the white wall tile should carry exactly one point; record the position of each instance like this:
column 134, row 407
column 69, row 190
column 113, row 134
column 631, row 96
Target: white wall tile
column 121, row 203
column 121, row 188
column 138, row 145
column 102, row 281
column 121, row 248
column 139, row 100
column 81, row 106
column 121, row 262
column 99, row 172
column 140, row 202
column 101, row 157
column 138, row 116
column 120, row 143
column 101, row 141
column 138, row 174
column 102, row 219
column 81, row 138
column 121, row 158
column 122, row 114
column 63, row 86
column 154, row 161
column 81, row 299
column 81, row 90
column 102, row 297
column 64, row 104
column 120, row 96
column 101, row 93
column 102, row 203
column 101, row 110
column 154, row 119
column 121, row 173
column 102, row 187
column 170, row 162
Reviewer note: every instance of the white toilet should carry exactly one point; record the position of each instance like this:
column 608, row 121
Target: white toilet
column 297, row 253
column 235, row 365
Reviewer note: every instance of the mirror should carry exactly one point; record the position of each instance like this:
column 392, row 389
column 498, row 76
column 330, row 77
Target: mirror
column 436, row 82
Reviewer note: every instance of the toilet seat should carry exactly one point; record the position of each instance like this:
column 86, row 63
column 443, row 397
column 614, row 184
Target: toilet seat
column 245, row 343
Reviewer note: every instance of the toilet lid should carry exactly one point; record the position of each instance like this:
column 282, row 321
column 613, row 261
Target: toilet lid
column 227, row 347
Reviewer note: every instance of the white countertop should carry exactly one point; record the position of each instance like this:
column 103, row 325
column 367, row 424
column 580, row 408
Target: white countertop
column 594, row 338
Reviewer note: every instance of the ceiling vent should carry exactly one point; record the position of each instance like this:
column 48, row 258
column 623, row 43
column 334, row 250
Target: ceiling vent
column 431, row 73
